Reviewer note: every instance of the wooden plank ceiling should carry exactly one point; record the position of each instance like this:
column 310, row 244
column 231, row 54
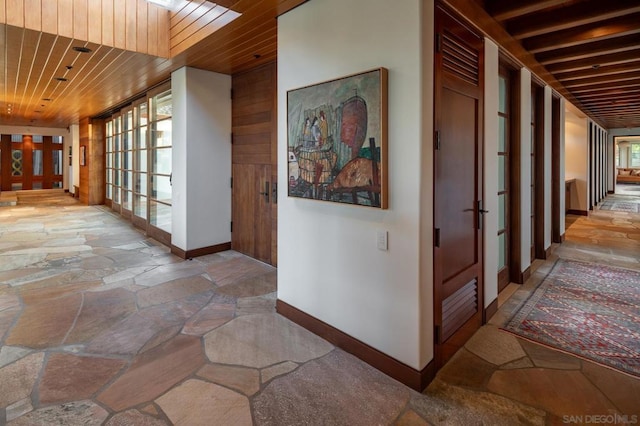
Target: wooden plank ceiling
column 588, row 50
column 33, row 62
column 591, row 47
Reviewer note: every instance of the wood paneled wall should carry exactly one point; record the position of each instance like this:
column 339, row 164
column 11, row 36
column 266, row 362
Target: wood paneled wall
column 92, row 174
column 133, row 25
column 197, row 20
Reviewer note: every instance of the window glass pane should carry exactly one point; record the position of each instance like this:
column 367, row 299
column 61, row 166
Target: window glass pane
column 141, row 160
column 501, row 173
column 16, row 162
column 161, row 160
column 141, row 183
column 57, row 139
column 128, row 120
column 116, row 143
column 127, row 156
column 502, row 104
column 109, row 192
column 161, row 188
column 37, row 139
column 140, row 206
column 116, row 178
column 502, row 211
column 127, row 200
column 116, row 160
column 57, row 162
column 161, row 133
column 16, row 138
column 160, row 216
column 143, row 111
column 37, row 162
column 635, row 155
column 16, row 186
column 109, row 128
column 127, row 139
column 142, row 138
column 116, row 195
column 36, row 185
column 161, row 105
column 502, row 251
column 502, row 134
column 57, row 184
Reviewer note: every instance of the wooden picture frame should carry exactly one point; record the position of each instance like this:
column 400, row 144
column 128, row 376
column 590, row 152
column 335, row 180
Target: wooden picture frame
column 337, row 140
column 83, row 157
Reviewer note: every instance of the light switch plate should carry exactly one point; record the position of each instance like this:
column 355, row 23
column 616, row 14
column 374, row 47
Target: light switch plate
column 383, row 243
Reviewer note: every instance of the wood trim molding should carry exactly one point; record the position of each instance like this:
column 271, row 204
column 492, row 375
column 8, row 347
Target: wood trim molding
column 578, row 212
column 547, row 252
column 611, row 192
column 200, row 251
column 417, row 380
column 562, row 238
column 490, row 311
column 522, row 277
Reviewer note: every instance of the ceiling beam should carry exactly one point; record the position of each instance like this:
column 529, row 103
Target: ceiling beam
column 501, row 10
column 573, row 16
column 604, row 30
column 592, row 72
column 629, row 56
column 591, row 49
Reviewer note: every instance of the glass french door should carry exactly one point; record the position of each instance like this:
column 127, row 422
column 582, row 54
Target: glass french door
column 140, row 168
column 160, row 151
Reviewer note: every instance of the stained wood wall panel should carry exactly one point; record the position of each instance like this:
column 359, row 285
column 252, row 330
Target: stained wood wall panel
column 80, row 18
column 65, row 21
column 49, row 17
column 94, row 7
column 15, row 12
column 152, row 31
column 33, row 19
column 131, row 26
column 107, row 23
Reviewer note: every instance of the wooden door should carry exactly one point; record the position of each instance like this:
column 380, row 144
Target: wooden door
column 458, row 284
column 254, row 159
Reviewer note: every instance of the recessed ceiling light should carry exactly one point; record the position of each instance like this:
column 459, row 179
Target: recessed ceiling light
column 257, row 56
column 61, row 79
column 69, row 67
column 81, row 49
column 595, row 66
column 46, row 99
column 37, row 111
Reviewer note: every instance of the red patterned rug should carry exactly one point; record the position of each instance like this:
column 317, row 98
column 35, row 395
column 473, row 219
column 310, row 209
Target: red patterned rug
column 589, row 310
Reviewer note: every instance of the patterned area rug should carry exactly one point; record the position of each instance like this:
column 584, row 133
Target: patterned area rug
column 589, row 310
column 621, row 206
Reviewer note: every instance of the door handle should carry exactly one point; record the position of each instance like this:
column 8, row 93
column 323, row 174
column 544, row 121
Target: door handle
column 266, row 192
column 274, row 192
column 481, row 211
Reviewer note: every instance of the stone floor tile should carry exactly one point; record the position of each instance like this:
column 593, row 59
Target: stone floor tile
column 134, row 418
column 195, row 403
column 9, row 300
column 99, row 312
column 556, row 391
column 69, row 377
column 96, row 262
column 621, row 389
column 172, row 291
column 265, row 304
column 127, row 337
column 18, row 261
column 18, row 378
column 178, row 312
column 165, row 273
column 45, row 324
column 150, row 409
column 160, row 337
column 411, row 418
column 18, row 409
column 6, row 320
column 519, row 363
column 154, row 372
column 336, row 389
column 443, row 404
column 263, row 340
column 468, row 370
column 495, row 346
column 266, row 374
column 127, row 275
column 245, row 380
column 43, row 291
column 233, row 270
column 252, row 286
column 210, row 317
column 84, row 413
column 9, row 354
column 545, row 357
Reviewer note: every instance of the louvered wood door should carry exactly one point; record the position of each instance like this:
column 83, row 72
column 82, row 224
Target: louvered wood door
column 458, row 171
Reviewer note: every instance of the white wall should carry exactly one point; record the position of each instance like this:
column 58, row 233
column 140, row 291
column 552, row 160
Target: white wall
column 491, row 81
column 201, row 158
column 548, row 132
column 329, row 266
column 525, row 168
column 75, row 152
column 576, row 157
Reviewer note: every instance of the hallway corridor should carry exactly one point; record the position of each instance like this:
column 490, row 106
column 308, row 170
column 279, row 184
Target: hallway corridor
column 101, row 325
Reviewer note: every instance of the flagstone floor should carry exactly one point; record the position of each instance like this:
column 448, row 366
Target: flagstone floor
column 101, row 325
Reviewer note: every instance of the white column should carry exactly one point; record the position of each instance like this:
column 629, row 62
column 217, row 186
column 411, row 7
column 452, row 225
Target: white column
column 74, row 131
column 547, row 165
column 491, row 94
column 201, row 158
column 525, row 168
column 562, row 167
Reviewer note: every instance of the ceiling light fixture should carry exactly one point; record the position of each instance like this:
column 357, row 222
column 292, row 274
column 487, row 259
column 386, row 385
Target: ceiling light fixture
column 61, row 79
column 81, row 49
column 166, row 4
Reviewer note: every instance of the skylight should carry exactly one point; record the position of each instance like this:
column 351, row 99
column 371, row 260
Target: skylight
column 167, row 4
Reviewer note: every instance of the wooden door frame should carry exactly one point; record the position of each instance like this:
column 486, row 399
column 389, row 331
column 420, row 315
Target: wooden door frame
column 556, row 214
column 540, row 202
column 515, row 178
column 444, row 349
